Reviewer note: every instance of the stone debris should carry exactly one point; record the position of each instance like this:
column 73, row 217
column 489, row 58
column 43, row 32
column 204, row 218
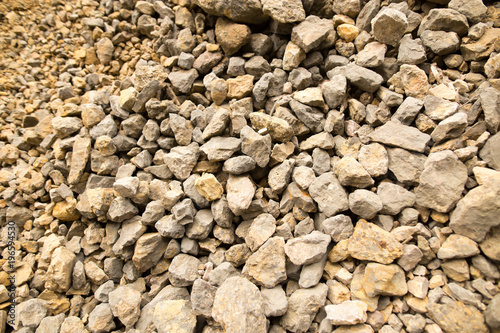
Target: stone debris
column 250, row 166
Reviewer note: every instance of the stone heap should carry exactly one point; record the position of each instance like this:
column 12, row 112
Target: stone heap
column 251, row 166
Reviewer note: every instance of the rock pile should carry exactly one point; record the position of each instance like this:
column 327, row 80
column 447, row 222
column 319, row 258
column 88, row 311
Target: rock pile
column 251, row 166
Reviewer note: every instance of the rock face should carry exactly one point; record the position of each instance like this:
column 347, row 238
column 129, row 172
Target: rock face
column 239, row 307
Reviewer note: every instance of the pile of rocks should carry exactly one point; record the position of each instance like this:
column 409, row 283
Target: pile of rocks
column 251, row 166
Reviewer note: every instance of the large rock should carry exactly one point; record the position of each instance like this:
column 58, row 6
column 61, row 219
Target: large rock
column 79, row 159
column 310, row 33
column 60, row 269
column 363, row 78
column 384, row 280
column 330, row 196
column 406, row 166
column 249, row 11
column 182, row 159
column 397, row 135
column 240, row 191
column 441, row 182
column 444, row 19
column 303, row 305
column 256, row 146
column 456, row 317
column 287, row 11
column 149, row 249
column 477, row 212
column 347, row 313
column 174, row 316
column 389, row 25
column 370, row 242
column 125, row 304
column 266, row 267
column 307, row 249
column 239, row 307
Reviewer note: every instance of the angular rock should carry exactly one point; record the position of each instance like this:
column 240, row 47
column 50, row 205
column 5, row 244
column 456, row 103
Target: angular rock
column 329, row 194
column 240, row 191
column 307, row 249
column 125, row 304
column 266, row 267
column 174, row 316
column 389, row 25
column 311, row 32
column 347, row 313
column 395, row 134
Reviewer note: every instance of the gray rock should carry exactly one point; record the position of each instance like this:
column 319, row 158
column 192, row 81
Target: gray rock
column 121, row 209
column 184, row 211
column 490, row 99
column 311, row 274
column 490, row 154
column 440, row 42
column 300, row 78
column 406, row 166
column 441, row 182
column 101, row 294
column 239, row 165
column 334, row 91
column 279, row 176
column 183, row 270
column 73, row 324
column 351, row 173
column 347, row 313
column 275, row 301
column 394, row 198
column 363, row 78
column 183, row 80
column 130, row 232
column 367, row 13
column 474, row 10
column 374, row 159
column 307, row 249
column 181, row 160
column 256, row 146
column 202, row 298
column 329, row 194
column 410, row 258
column 458, row 246
column 492, row 315
column 240, row 191
column 444, row 19
column 311, row 32
column 411, row 51
column 311, row 117
column 153, row 212
column 303, row 304
column 104, row 50
column 217, row 124
column 30, row 313
column 339, row 227
column 221, row 148
column 221, row 212
column 239, row 293
column 395, row 134
column 365, row 203
column 202, row 225
column 450, row 128
column 182, row 129
column 389, row 25
column 408, row 110
column 372, row 55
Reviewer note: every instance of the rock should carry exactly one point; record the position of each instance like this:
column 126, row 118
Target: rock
column 104, row 50
column 311, row 32
column 482, row 48
column 389, row 25
column 288, row 11
column 148, row 251
column 412, row 80
column 72, row 324
column 209, row 187
column 275, row 301
column 440, row 42
column 174, row 316
column 249, row 12
column 125, row 304
column 307, row 249
column 239, row 307
column 339, row 227
column 202, row 298
column 411, row 51
column 444, row 19
column 293, row 56
column 330, row 196
column 311, row 274
column 220, row 148
column 394, row 198
column 490, row 98
column 450, row 317
column 279, row 176
column 450, row 128
column 351, row 173
column 303, row 304
column 202, row 225
column 30, row 313
column 395, row 134
column 60, row 269
column 266, row 267
column 303, row 176
column 239, row 165
column 385, row 280
column 372, row 55
column 374, row 159
column 261, row 228
column 347, row 7
column 183, row 80
column 410, row 258
column 474, row 10
column 182, row 159
column 334, row 91
column 348, row 32
column 441, row 182
column 183, row 270
column 365, row 204
column 240, row 191
column 370, row 242
column 491, row 314
column 406, row 166
column 101, row 319
column 231, row 36
column 182, row 129
column 65, row 126
column 438, row 108
column 255, row 145
column 363, row 78
column 489, row 245
column 347, row 313
column 121, row 209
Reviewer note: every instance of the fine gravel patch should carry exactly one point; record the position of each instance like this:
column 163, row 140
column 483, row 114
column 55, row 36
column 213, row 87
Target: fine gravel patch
column 250, row 166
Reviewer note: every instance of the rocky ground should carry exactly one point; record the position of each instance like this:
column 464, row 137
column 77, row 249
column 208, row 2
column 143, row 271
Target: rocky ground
column 250, row 166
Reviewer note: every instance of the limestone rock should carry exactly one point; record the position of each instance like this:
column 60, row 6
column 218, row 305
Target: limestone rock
column 208, row 186
column 174, row 316
column 266, row 266
column 307, row 249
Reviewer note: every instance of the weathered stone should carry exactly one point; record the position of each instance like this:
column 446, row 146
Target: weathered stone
column 398, row 135
column 240, row 191
column 149, row 248
column 441, row 182
column 221, row 148
column 329, row 194
column 275, row 301
column 288, row 11
column 351, row 173
column 182, row 159
column 311, row 32
column 451, row 317
column 444, row 19
column 385, row 280
column 363, row 78
column 248, row 12
column 239, row 307
column 278, row 128
column 307, row 249
column 60, row 269
column 370, row 242
column 125, row 304
column 208, row 186
column 174, row 316
column 101, row 319
column 347, row 313
column 389, row 25
column 266, row 267
column 30, row 313
column 440, row 42
column 183, row 270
